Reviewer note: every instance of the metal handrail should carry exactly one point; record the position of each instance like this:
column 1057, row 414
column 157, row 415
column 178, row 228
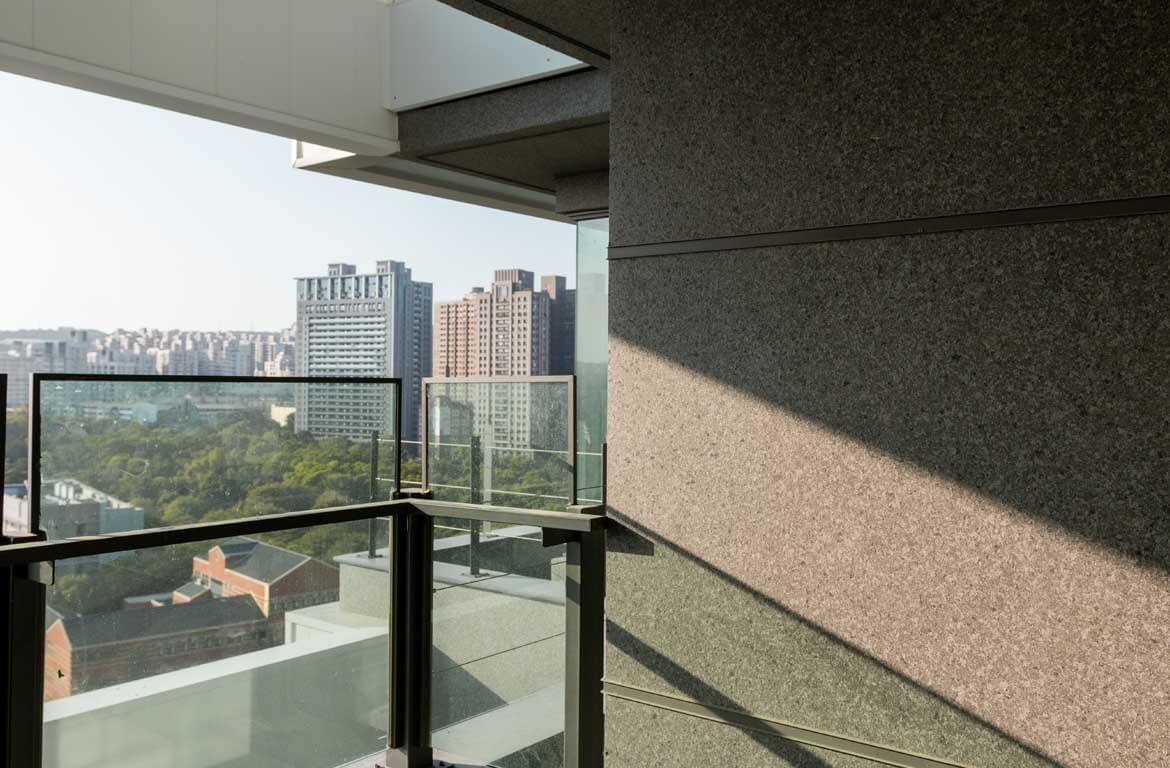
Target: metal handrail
column 214, row 379
column 585, row 520
column 85, row 546
column 126, row 541
column 468, row 445
column 551, row 379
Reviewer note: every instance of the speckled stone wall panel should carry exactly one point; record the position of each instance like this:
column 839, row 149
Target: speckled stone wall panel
column 583, row 192
column 557, row 103
column 905, row 473
column 660, row 737
column 757, row 116
column 678, row 627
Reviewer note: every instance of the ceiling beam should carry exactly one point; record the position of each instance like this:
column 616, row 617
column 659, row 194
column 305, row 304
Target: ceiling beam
column 531, row 109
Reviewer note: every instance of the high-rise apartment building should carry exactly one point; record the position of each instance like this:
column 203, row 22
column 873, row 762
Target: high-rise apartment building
column 510, row 330
column 351, row 324
column 513, row 329
column 562, row 314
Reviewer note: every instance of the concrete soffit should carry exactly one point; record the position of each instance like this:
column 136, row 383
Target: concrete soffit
column 508, row 149
column 476, row 132
column 577, row 28
column 422, row 177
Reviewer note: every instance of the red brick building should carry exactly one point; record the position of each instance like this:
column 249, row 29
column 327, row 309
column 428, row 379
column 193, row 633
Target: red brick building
column 235, row 604
column 84, row 653
column 278, row 579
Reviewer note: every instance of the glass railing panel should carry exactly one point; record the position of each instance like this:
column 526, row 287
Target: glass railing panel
column 263, row 651
column 498, row 663
column 591, row 354
column 501, row 442
column 412, row 475
column 119, row 455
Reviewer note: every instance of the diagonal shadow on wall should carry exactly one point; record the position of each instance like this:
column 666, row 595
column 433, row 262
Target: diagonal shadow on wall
column 839, row 685
column 1031, row 364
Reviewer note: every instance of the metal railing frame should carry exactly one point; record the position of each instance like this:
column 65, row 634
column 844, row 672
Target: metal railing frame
column 26, row 566
column 34, row 416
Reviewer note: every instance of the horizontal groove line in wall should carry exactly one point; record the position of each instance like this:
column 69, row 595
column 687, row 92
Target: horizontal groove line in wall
column 787, row 731
column 1136, row 206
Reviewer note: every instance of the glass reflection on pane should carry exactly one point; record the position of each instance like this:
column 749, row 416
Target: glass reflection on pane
column 498, row 660
column 266, row 650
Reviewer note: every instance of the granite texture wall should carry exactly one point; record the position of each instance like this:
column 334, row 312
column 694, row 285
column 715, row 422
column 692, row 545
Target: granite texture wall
column 911, row 491
column 583, row 192
column 759, row 116
column 661, row 737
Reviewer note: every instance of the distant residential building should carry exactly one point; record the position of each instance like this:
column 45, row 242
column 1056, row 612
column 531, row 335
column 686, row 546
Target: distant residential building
column 281, row 364
column 190, row 353
column 462, row 337
column 146, row 351
column 562, row 324
column 70, row 508
column 510, row 330
column 21, row 357
column 350, row 324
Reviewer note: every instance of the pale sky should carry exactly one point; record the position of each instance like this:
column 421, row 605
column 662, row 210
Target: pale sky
column 114, row 214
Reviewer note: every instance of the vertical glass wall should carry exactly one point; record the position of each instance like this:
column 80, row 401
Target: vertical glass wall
column 592, row 354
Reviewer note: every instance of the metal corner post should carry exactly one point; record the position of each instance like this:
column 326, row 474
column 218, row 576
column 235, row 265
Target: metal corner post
column 584, row 650
column 372, row 543
column 424, row 437
column 22, row 643
column 572, row 430
column 33, row 488
column 397, row 438
column 409, row 741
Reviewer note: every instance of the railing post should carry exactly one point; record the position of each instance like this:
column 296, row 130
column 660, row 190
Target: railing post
column 475, row 483
column 584, row 650
column 409, row 740
column 372, row 537
column 424, row 437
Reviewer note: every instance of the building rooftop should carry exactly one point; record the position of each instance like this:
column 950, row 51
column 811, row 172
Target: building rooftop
column 257, row 560
column 191, row 589
column 120, row 626
column 63, row 491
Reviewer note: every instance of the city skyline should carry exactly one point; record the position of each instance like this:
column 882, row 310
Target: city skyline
column 139, row 248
